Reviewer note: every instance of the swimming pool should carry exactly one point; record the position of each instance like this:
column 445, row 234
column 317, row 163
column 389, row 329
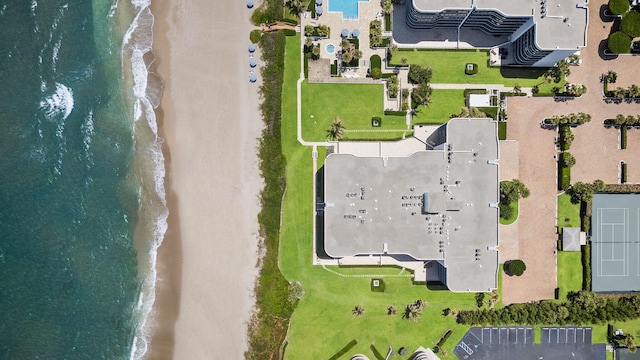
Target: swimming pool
column 330, row 48
column 348, row 8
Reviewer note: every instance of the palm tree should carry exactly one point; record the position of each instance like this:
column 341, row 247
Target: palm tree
column 412, row 312
column 391, row 310
column 611, row 77
column 517, row 89
column 336, row 129
column 357, row 311
column 404, row 61
column 620, row 92
column 634, row 91
column 296, row 6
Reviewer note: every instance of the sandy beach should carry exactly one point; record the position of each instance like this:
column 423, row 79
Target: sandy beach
column 210, row 121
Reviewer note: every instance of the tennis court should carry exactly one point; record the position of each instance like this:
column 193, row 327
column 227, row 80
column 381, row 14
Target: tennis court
column 614, row 238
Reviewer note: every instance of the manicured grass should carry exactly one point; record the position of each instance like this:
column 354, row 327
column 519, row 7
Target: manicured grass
column 502, row 130
column 569, row 273
column 514, row 215
column 322, row 323
column 443, row 104
column 355, row 104
column 568, row 213
column 449, row 65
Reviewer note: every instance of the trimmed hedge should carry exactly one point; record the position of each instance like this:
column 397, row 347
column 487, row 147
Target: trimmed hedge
column 623, row 172
column 376, row 353
column 466, row 92
column 515, row 267
column 334, row 68
column 395, row 113
column 618, row 7
column 376, row 62
column 289, row 32
column 631, row 24
column 623, row 137
column 619, row 43
column 502, row 130
column 344, row 350
column 586, row 267
column 444, row 338
column 387, row 21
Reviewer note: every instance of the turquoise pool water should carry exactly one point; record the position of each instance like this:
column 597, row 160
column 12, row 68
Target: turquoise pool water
column 330, row 48
column 348, row 8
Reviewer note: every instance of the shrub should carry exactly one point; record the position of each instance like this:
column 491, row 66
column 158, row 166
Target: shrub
column 395, row 113
column 618, row 7
column 631, row 24
column 334, row 68
column 376, row 73
column 289, row 32
column 255, row 36
column 586, row 267
column 623, row 172
column 619, row 43
column 623, row 137
column 568, row 160
column 376, row 352
column 376, row 62
column 515, row 267
column 376, row 121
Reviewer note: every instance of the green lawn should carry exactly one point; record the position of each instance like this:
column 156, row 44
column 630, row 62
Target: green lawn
column 569, row 272
column 322, row 323
column 355, row 104
column 448, row 68
column 514, row 216
column 443, row 104
column 568, row 213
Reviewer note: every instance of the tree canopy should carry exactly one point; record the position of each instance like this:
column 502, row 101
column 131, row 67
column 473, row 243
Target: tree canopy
column 513, row 190
column 515, row 267
column 619, row 43
column 419, row 75
column 584, row 192
column 421, row 95
column 631, row 24
column 618, row 7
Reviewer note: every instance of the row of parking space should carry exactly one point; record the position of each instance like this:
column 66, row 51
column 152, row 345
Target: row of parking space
column 565, row 335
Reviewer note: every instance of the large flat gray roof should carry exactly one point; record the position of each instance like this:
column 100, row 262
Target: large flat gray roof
column 563, row 26
column 615, row 252
column 373, row 201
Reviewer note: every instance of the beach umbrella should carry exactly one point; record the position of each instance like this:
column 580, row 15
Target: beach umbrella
column 253, row 78
column 252, row 47
column 252, row 62
column 344, row 33
column 249, row 4
column 355, row 33
column 318, row 2
column 319, row 10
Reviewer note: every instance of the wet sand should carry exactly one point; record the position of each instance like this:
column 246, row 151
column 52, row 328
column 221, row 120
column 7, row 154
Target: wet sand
column 210, row 121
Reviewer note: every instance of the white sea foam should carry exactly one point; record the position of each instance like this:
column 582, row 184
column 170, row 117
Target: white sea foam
column 59, row 103
column 54, row 55
column 137, row 42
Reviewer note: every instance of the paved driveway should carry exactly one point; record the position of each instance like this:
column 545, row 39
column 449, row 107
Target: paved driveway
column 595, row 148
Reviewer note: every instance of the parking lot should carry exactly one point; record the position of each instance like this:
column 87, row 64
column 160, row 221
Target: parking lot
column 517, row 342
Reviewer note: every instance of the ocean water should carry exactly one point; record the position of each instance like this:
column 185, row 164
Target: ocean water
column 82, row 203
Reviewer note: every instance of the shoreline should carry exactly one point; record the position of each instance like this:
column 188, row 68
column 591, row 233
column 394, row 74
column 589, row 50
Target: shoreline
column 210, row 120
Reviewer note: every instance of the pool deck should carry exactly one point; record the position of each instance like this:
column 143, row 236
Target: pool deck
column 367, row 12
